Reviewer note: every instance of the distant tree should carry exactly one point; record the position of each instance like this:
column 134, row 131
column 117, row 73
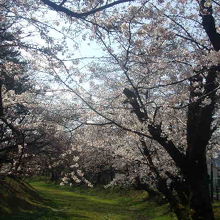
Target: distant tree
column 14, row 85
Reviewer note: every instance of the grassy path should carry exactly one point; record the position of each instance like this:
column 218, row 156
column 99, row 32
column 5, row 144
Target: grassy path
column 93, row 204
column 65, row 203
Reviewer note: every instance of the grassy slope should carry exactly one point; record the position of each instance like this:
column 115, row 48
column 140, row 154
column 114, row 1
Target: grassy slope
column 16, row 196
column 98, row 204
column 78, row 203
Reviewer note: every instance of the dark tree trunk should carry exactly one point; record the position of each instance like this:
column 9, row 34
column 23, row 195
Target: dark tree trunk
column 200, row 201
column 179, row 208
column 199, row 132
column 54, row 176
column 209, row 26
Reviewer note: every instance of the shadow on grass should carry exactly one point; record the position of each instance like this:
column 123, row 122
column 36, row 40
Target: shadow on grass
column 19, row 200
column 42, row 215
column 45, row 201
column 46, row 210
column 93, row 207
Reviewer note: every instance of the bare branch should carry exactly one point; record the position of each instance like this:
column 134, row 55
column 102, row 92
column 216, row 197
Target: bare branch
column 60, row 8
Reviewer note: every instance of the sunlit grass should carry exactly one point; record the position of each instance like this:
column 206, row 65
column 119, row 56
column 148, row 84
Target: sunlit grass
column 79, row 203
column 66, row 203
column 83, row 203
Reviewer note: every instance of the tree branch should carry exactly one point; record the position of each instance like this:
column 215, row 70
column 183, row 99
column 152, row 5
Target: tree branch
column 60, row 8
column 208, row 23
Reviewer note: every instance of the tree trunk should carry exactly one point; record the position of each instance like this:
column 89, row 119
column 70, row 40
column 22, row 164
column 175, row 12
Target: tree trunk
column 199, row 132
column 200, row 202
column 178, row 207
column 54, row 176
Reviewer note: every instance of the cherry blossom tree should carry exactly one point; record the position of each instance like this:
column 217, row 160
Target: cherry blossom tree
column 13, row 90
column 163, row 63
column 159, row 82
column 25, row 123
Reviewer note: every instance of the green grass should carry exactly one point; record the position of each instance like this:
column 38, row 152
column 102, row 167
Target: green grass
column 46, row 201
column 216, row 207
column 84, row 203
column 16, row 196
column 98, row 204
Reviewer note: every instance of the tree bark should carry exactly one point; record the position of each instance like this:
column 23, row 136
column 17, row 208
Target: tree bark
column 208, row 23
column 182, row 212
column 199, row 132
column 200, row 203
